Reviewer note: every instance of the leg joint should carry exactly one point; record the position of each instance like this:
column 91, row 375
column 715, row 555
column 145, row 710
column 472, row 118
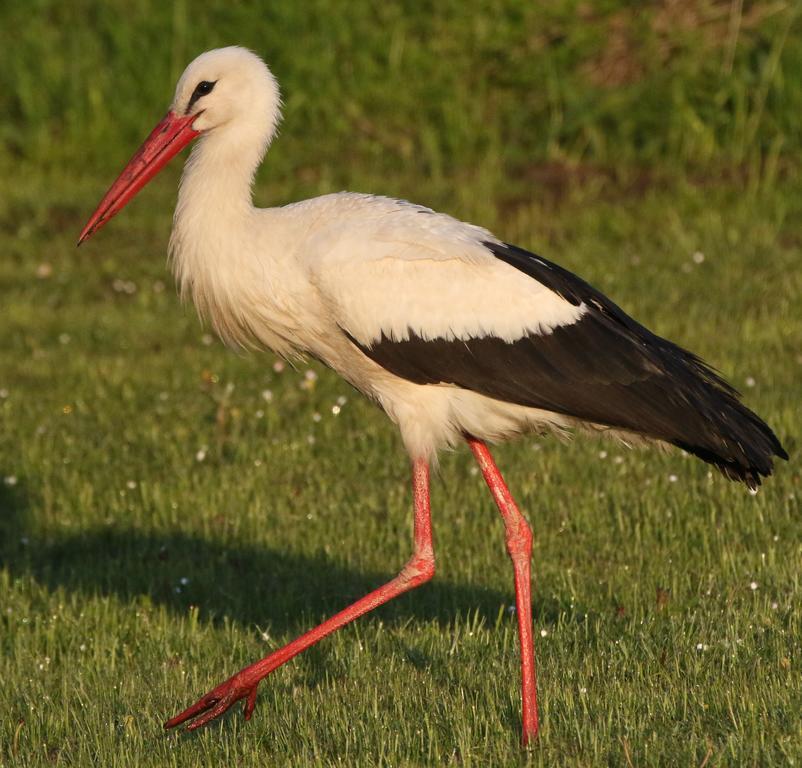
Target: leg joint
column 419, row 569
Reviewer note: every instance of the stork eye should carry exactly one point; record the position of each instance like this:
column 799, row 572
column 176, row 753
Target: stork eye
column 203, row 88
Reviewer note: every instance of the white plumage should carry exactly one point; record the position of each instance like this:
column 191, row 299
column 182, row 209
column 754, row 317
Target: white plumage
column 454, row 333
column 293, row 278
column 346, row 262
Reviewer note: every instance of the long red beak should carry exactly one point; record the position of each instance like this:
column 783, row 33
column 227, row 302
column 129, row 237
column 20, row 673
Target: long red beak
column 166, row 140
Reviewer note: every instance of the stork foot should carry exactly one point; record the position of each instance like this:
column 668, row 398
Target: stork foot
column 218, row 701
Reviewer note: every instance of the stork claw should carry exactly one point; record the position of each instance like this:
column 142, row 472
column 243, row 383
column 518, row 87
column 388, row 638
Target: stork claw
column 217, row 701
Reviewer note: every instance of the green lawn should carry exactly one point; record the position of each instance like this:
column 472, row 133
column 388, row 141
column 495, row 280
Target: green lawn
column 171, row 511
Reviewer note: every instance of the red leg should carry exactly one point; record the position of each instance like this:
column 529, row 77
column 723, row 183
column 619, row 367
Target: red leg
column 519, row 546
column 419, row 569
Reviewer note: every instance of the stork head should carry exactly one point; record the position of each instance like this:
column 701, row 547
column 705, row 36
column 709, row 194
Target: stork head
column 228, row 97
column 228, row 87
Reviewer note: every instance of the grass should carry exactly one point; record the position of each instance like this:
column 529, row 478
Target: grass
column 162, row 523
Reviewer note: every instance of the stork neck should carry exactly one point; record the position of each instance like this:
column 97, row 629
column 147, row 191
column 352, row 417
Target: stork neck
column 210, row 244
column 217, row 183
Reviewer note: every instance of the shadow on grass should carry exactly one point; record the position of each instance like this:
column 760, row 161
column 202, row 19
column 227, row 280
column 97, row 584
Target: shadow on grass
column 251, row 585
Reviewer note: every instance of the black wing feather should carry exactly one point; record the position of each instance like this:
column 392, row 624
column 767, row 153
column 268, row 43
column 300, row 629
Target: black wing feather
column 606, row 368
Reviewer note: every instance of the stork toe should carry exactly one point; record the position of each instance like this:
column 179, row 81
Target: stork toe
column 216, row 702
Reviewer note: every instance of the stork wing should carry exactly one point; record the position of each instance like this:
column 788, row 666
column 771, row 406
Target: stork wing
column 525, row 331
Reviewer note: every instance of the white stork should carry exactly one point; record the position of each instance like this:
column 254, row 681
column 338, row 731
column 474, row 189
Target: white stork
column 454, row 333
